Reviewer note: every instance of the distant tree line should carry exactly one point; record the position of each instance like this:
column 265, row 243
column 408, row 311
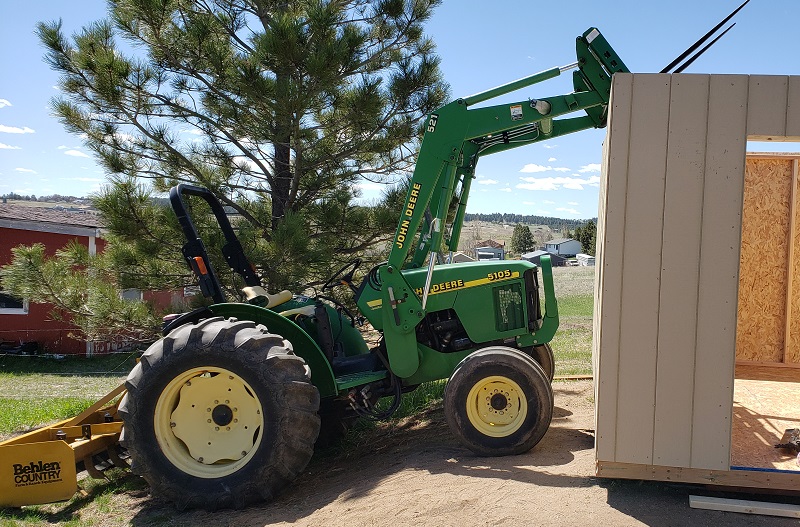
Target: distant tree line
column 561, row 225
column 32, row 197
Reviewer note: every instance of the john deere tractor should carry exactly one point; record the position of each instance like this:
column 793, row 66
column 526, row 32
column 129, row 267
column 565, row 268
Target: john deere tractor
column 226, row 408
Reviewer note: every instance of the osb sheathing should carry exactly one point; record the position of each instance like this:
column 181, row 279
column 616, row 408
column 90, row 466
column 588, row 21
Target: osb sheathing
column 765, row 333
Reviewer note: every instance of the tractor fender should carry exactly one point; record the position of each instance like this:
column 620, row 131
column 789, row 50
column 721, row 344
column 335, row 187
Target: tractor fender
column 304, row 346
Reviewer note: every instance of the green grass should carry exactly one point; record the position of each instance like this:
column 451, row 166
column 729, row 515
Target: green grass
column 19, row 415
column 40, row 389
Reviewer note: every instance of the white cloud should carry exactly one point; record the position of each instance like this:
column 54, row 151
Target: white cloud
column 26, row 170
column 591, row 167
column 548, row 202
column 507, row 189
column 193, row 131
column 573, row 203
column 555, row 183
column 570, row 211
column 532, row 168
column 480, row 181
column 75, row 153
column 9, row 147
column 4, row 103
column 543, row 212
column 552, row 159
column 550, row 147
column 16, row 130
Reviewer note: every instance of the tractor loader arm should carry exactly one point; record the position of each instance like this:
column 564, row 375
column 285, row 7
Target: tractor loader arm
column 456, row 136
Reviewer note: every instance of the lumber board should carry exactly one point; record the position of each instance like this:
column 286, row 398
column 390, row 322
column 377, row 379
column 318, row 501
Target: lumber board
column 785, row 510
column 680, row 252
column 792, row 350
column 750, row 479
column 608, row 305
column 641, row 268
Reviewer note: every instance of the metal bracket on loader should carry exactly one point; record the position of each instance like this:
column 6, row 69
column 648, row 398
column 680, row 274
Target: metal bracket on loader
column 42, row 466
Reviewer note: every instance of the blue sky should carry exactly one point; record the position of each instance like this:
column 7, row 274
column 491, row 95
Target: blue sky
column 481, row 44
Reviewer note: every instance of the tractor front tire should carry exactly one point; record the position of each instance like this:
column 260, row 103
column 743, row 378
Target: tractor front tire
column 219, row 414
column 498, row 402
column 543, row 355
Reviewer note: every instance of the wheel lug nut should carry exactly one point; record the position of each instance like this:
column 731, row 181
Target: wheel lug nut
column 208, row 409
column 172, row 424
column 244, row 453
column 216, row 428
column 208, row 421
column 227, row 428
column 200, row 459
column 227, row 401
column 216, row 402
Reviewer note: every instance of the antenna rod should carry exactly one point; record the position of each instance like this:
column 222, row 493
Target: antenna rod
column 702, row 40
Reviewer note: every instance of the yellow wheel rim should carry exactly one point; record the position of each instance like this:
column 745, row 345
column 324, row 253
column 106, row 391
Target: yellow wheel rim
column 208, row 422
column 496, row 406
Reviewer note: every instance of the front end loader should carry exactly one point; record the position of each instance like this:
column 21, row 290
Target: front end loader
column 226, row 408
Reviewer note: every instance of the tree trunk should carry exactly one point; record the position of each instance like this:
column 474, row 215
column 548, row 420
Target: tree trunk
column 282, row 143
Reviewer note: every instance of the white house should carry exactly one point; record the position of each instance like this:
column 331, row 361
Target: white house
column 563, row 247
column 585, row 259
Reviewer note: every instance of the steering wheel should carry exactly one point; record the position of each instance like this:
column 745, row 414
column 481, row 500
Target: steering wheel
column 341, row 277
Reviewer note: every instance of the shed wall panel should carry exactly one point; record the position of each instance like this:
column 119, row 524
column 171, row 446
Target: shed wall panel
column 641, row 267
column 670, row 235
column 719, row 272
column 608, row 287
column 680, row 250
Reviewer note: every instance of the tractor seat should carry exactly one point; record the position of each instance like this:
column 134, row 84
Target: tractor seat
column 258, row 295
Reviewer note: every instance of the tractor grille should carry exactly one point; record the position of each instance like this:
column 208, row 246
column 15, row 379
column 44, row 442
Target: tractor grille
column 508, row 307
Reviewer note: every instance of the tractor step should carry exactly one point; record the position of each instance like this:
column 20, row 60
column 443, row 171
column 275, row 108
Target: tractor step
column 357, row 379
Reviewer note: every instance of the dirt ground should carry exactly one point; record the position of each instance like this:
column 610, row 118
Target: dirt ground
column 416, row 473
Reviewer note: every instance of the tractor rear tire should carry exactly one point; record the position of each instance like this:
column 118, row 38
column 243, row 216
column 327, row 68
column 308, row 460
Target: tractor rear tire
column 498, row 402
column 219, row 414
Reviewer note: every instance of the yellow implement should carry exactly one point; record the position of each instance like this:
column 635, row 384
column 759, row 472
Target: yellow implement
column 42, row 466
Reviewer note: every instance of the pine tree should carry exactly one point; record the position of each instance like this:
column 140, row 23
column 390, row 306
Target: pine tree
column 522, row 239
column 281, row 108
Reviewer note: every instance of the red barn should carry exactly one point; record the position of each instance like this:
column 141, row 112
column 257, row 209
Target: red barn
column 24, row 322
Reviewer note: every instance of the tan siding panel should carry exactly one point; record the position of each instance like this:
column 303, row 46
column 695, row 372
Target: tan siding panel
column 611, row 230
column 719, row 272
column 683, row 212
column 641, row 268
column 765, row 246
column 767, row 101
